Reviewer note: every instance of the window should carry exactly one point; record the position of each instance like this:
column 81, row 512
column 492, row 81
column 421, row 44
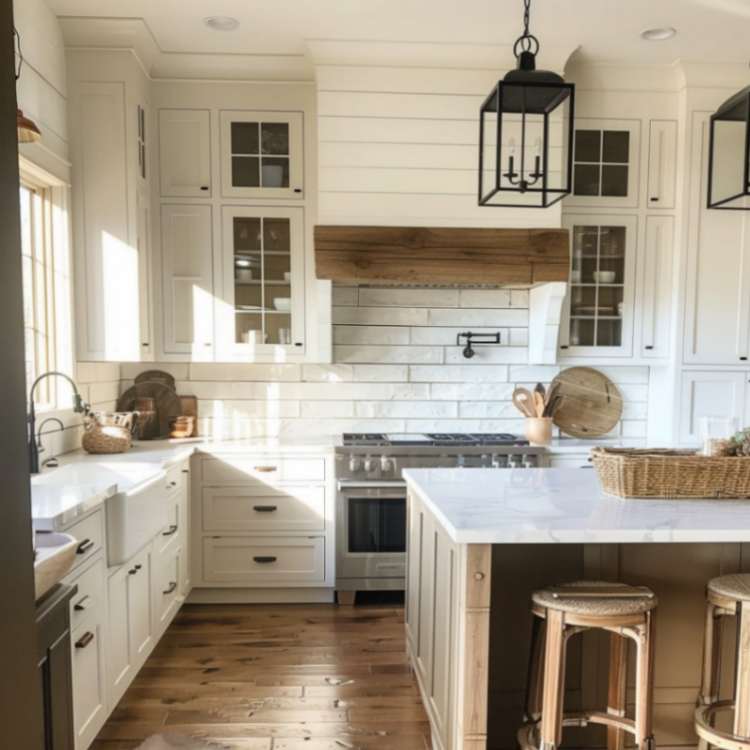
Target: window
column 46, row 282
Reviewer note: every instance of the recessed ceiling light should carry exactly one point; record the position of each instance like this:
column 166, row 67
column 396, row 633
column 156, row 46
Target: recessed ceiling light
column 658, row 34
column 221, row 23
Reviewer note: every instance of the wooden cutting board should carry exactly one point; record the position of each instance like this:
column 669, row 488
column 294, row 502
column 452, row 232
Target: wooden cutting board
column 590, row 406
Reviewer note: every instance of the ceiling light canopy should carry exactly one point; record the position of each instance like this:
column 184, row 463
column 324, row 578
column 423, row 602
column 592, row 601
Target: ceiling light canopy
column 526, row 133
column 221, row 23
column 658, row 34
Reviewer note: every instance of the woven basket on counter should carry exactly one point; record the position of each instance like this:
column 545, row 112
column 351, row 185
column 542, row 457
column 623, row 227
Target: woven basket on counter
column 633, row 473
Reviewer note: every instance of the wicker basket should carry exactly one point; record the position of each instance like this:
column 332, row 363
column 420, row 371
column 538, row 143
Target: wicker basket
column 631, row 473
column 107, row 433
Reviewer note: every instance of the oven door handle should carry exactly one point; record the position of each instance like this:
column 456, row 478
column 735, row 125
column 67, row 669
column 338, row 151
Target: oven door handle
column 364, row 484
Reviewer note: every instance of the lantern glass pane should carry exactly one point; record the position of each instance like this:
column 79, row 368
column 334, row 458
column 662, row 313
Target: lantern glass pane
column 489, row 152
column 729, row 160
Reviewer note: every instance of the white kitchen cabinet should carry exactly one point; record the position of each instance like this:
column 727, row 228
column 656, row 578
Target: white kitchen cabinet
column 185, row 153
column 105, row 248
column 187, row 281
column 655, row 298
column 662, row 163
column 606, row 158
column 262, row 154
column 717, row 315
column 167, row 587
column 599, row 308
column 109, row 111
column 145, row 301
column 263, row 297
column 710, row 394
column 131, row 635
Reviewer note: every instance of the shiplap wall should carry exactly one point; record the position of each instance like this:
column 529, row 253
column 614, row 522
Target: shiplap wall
column 399, row 145
column 396, row 368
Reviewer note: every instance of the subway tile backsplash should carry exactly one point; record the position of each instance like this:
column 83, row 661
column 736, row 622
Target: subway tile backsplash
column 396, row 368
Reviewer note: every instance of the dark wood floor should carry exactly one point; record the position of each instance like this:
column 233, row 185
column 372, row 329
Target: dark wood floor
column 277, row 677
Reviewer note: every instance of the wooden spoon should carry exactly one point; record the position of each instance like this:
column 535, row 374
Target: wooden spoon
column 538, row 404
column 524, row 402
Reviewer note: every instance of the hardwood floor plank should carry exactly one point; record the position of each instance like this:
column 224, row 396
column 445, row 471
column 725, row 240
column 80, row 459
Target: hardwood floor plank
column 281, row 677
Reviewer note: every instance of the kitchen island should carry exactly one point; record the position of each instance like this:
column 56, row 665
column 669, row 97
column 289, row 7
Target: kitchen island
column 481, row 540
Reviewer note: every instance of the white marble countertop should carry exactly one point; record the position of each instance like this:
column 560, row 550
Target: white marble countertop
column 82, row 481
column 539, row 506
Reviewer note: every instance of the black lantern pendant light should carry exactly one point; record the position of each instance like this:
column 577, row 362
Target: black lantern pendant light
column 526, row 133
column 729, row 154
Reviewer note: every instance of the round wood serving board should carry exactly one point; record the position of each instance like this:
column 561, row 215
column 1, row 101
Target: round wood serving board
column 590, row 403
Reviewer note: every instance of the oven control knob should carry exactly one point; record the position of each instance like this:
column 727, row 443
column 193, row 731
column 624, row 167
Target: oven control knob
column 354, row 464
column 369, row 464
column 385, row 464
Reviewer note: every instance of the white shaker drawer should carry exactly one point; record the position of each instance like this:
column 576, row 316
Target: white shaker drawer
column 167, row 587
column 264, row 469
column 89, row 692
column 235, row 509
column 89, row 533
column 263, row 561
column 89, row 600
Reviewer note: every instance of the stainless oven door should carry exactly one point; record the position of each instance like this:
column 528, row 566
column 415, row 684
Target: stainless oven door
column 371, row 533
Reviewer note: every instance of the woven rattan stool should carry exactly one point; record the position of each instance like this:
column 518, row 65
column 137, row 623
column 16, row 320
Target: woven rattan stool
column 561, row 612
column 727, row 596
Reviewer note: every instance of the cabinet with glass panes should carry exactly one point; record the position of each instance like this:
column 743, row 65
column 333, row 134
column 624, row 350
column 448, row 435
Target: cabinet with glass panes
column 599, row 304
column 605, row 163
column 264, row 272
column 262, row 154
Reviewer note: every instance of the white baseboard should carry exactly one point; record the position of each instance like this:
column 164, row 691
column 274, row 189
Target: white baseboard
column 261, row 596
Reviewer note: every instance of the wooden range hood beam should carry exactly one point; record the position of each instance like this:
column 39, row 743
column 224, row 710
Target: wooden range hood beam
column 422, row 255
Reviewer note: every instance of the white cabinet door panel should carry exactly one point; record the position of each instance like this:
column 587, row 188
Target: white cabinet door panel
column 187, row 268
column 717, row 297
column 185, row 153
column 662, row 163
column 709, row 394
column 89, row 692
column 656, row 293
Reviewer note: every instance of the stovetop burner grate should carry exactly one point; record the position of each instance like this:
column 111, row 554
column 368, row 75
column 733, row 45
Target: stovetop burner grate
column 432, row 438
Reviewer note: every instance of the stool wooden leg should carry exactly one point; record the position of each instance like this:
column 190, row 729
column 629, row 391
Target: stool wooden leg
column 554, row 681
column 742, row 680
column 618, row 666
column 644, row 679
column 535, row 677
column 711, row 657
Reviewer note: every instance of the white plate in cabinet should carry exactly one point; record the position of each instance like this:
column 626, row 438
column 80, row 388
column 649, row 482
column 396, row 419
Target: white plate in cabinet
column 261, row 155
column 662, row 163
column 265, row 470
column 264, row 561
column 257, row 509
column 167, row 588
column 89, row 692
column 185, row 153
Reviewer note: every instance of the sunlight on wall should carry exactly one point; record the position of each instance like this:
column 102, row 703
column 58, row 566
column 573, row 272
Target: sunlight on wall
column 120, row 292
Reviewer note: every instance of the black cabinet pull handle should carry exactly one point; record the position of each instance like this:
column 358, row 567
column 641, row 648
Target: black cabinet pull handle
column 743, row 359
column 649, row 347
column 138, row 567
column 81, row 604
column 132, row 572
column 172, row 586
column 297, row 190
column 265, row 508
column 85, row 639
column 186, row 471
column 84, row 547
column 172, row 530
column 654, row 200
column 264, row 560
column 204, row 187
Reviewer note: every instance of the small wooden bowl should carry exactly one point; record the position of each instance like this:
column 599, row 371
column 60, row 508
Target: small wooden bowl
column 182, row 427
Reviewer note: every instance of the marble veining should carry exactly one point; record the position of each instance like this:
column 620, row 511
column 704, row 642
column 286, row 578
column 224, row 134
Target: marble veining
column 533, row 506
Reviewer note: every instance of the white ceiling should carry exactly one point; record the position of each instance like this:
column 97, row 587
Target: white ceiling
column 603, row 30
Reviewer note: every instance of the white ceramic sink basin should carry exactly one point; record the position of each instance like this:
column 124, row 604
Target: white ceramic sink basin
column 55, row 555
column 134, row 518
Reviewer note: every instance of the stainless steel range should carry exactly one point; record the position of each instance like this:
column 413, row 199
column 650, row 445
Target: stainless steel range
column 371, row 500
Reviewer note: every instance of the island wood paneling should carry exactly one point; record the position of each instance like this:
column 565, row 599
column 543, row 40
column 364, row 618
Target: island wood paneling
column 421, row 255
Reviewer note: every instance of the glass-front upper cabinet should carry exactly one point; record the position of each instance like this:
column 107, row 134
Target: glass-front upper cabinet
column 261, row 154
column 605, row 163
column 263, row 282
column 598, row 317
